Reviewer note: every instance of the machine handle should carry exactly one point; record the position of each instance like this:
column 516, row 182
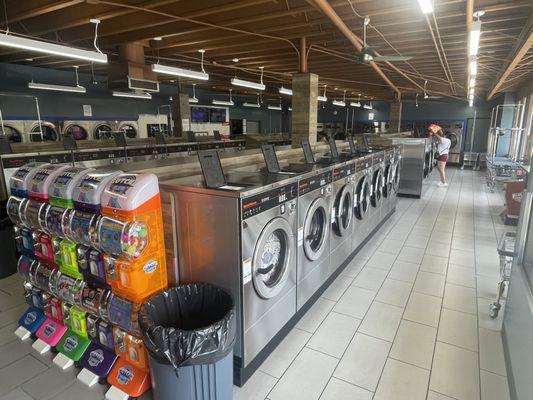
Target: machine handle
column 265, row 270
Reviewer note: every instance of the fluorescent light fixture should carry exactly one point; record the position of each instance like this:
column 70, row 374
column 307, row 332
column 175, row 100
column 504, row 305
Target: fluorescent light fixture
column 355, row 104
column 471, row 102
column 472, row 91
column 133, row 95
column 39, row 46
column 248, row 84
column 367, row 106
column 473, row 68
column 223, row 102
column 193, row 100
column 271, row 107
column 184, row 73
column 322, row 98
column 475, row 34
column 426, row 6
column 283, row 90
column 253, row 105
column 339, row 103
column 473, row 82
column 58, row 88
column 290, row 108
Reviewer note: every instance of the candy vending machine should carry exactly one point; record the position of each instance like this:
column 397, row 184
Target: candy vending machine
column 130, row 233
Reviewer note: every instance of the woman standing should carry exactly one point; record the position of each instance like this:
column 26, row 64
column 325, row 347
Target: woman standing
column 443, row 148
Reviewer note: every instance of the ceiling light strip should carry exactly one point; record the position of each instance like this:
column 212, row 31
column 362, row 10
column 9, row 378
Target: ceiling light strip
column 58, row 88
column 181, row 72
column 132, row 95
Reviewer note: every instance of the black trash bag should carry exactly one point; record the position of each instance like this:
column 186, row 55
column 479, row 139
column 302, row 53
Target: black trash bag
column 189, row 325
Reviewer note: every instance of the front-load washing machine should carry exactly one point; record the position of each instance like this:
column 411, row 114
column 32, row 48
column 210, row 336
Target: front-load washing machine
column 342, row 214
column 395, row 173
column 376, row 197
column 79, row 130
column 314, row 223
column 388, row 175
column 362, row 193
column 241, row 237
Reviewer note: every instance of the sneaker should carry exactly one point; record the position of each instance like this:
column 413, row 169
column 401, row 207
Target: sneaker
column 440, row 184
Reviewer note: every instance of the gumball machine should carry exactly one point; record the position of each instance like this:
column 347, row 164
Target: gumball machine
column 75, row 341
column 130, row 232
column 81, row 231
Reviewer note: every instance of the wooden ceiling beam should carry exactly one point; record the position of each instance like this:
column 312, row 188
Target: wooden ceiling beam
column 21, row 10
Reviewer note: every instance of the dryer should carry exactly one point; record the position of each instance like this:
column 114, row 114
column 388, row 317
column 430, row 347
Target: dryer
column 79, row 130
column 249, row 249
column 362, row 193
column 103, row 130
column 314, row 225
column 14, row 132
column 130, row 129
column 51, row 132
column 342, row 214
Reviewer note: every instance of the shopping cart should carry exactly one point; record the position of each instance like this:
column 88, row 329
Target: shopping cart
column 506, row 253
column 502, row 169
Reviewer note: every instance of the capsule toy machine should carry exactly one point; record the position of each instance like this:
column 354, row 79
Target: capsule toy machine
column 19, row 188
column 61, row 203
column 130, row 233
column 79, row 258
column 99, row 358
column 37, row 207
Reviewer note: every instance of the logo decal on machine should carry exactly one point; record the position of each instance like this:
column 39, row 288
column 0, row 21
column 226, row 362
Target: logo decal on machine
column 125, row 375
column 30, row 318
column 96, row 357
column 150, row 267
column 71, row 343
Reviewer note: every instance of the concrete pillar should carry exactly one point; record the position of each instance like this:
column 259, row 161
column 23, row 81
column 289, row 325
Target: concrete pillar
column 181, row 113
column 304, row 108
column 395, row 116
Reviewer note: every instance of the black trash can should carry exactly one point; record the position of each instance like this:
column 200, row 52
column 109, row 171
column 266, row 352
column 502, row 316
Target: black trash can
column 189, row 332
column 8, row 266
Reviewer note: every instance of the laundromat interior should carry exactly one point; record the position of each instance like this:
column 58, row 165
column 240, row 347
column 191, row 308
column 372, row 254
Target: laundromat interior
column 266, row 200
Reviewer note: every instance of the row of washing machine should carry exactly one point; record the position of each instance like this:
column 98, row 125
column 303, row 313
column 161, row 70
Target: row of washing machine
column 29, row 130
column 275, row 240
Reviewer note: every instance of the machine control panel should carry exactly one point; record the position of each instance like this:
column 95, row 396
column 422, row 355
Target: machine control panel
column 378, row 157
column 343, row 171
column 315, row 182
column 363, row 163
column 261, row 202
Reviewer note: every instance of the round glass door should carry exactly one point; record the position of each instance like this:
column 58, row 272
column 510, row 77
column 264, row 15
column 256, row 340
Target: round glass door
column 12, row 134
column 362, row 201
column 129, row 131
column 387, row 187
column 76, row 132
column 377, row 187
column 316, row 229
column 49, row 134
column 343, row 211
column 396, row 177
column 102, row 131
column 270, row 264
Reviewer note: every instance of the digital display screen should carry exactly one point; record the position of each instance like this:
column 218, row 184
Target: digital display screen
column 217, row 115
column 199, row 114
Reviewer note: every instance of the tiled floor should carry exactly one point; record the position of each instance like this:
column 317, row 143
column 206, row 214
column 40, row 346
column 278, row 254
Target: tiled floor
column 407, row 319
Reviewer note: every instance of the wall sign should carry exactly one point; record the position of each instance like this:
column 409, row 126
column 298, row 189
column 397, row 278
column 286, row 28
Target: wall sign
column 370, row 116
column 87, row 110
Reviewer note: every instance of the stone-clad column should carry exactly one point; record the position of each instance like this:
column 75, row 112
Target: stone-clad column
column 395, row 116
column 181, row 114
column 304, row 108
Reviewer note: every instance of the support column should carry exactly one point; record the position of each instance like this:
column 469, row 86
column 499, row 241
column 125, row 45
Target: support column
column 181, row 114
column 395, row 116
column 304, row 108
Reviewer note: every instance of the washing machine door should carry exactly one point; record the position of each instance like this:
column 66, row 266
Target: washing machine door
column 396, row 177
column 377, row 187
column 102, row 131
column 387, row 180
column 316, row 229
column 454, row 139
column 77, row 132
column 48, row 130
column 362, row 198
column 343, row 210
column 271, row 259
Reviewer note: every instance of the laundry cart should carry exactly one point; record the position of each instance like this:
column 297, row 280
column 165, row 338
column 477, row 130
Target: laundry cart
column 506, row 253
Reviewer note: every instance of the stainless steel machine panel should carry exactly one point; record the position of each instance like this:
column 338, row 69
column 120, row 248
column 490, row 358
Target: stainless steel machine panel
column 314, row 222
column 412, row 165
column 362, row 194
column 342, row 215
column 376, row 197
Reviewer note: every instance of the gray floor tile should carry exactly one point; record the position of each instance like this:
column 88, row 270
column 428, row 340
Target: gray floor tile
column 401, row 381
column 19, row 372
column 370, row 278
column 394, row 292
column 381, row 321
column 460, row 298
column 381, row 260
column 256, row 388
column 316, row 314
column 494, row 387
column 459, row 329
column 423, row 309
column 404, row 271
column 430, row 283
column 414, row 344
column 434, row 264
column 48, row 384
column 337, row 288
column 340, row 390
column 80, row 391
column 355, row 302
column 491, row 357
column 16, row 394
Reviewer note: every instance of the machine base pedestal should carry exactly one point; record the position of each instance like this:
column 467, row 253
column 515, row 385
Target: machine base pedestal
column 115, row 393
column 63, row 362
column 88, row 377
column 41, row 346
column 22, row 333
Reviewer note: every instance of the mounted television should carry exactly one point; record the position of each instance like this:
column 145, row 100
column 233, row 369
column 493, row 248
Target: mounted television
column 217, row 115
column 199, row 114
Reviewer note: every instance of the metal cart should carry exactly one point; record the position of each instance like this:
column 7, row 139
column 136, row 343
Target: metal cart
column 506, row 253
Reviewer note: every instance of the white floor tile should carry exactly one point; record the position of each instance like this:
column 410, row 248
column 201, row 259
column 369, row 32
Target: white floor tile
column 355, row 302
column 391, row 246
column 334, row 335
column 337, row 288
column 459, row 275
column 355, row 266
column 315, row 315
column 280, row 359
column 370, row 278
column 306, row 378
column 403, row 271
column 437, row 396
column 394, row 292
column 423, row 309
column 381, row 260
column 455, row 372
column 460, row 298
column 459, row 329
column 414, row 344
column 381, row 321
column 363, row 361
column 491, row 357
column 401, row 381
column 411, row 254
column 487, row 287
column 434, row 264
column 256, row 388
column 340, row 390
column 418, row 241
column 430, row 283
column 438, row 249
column 462, row 257
column 494, row 387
